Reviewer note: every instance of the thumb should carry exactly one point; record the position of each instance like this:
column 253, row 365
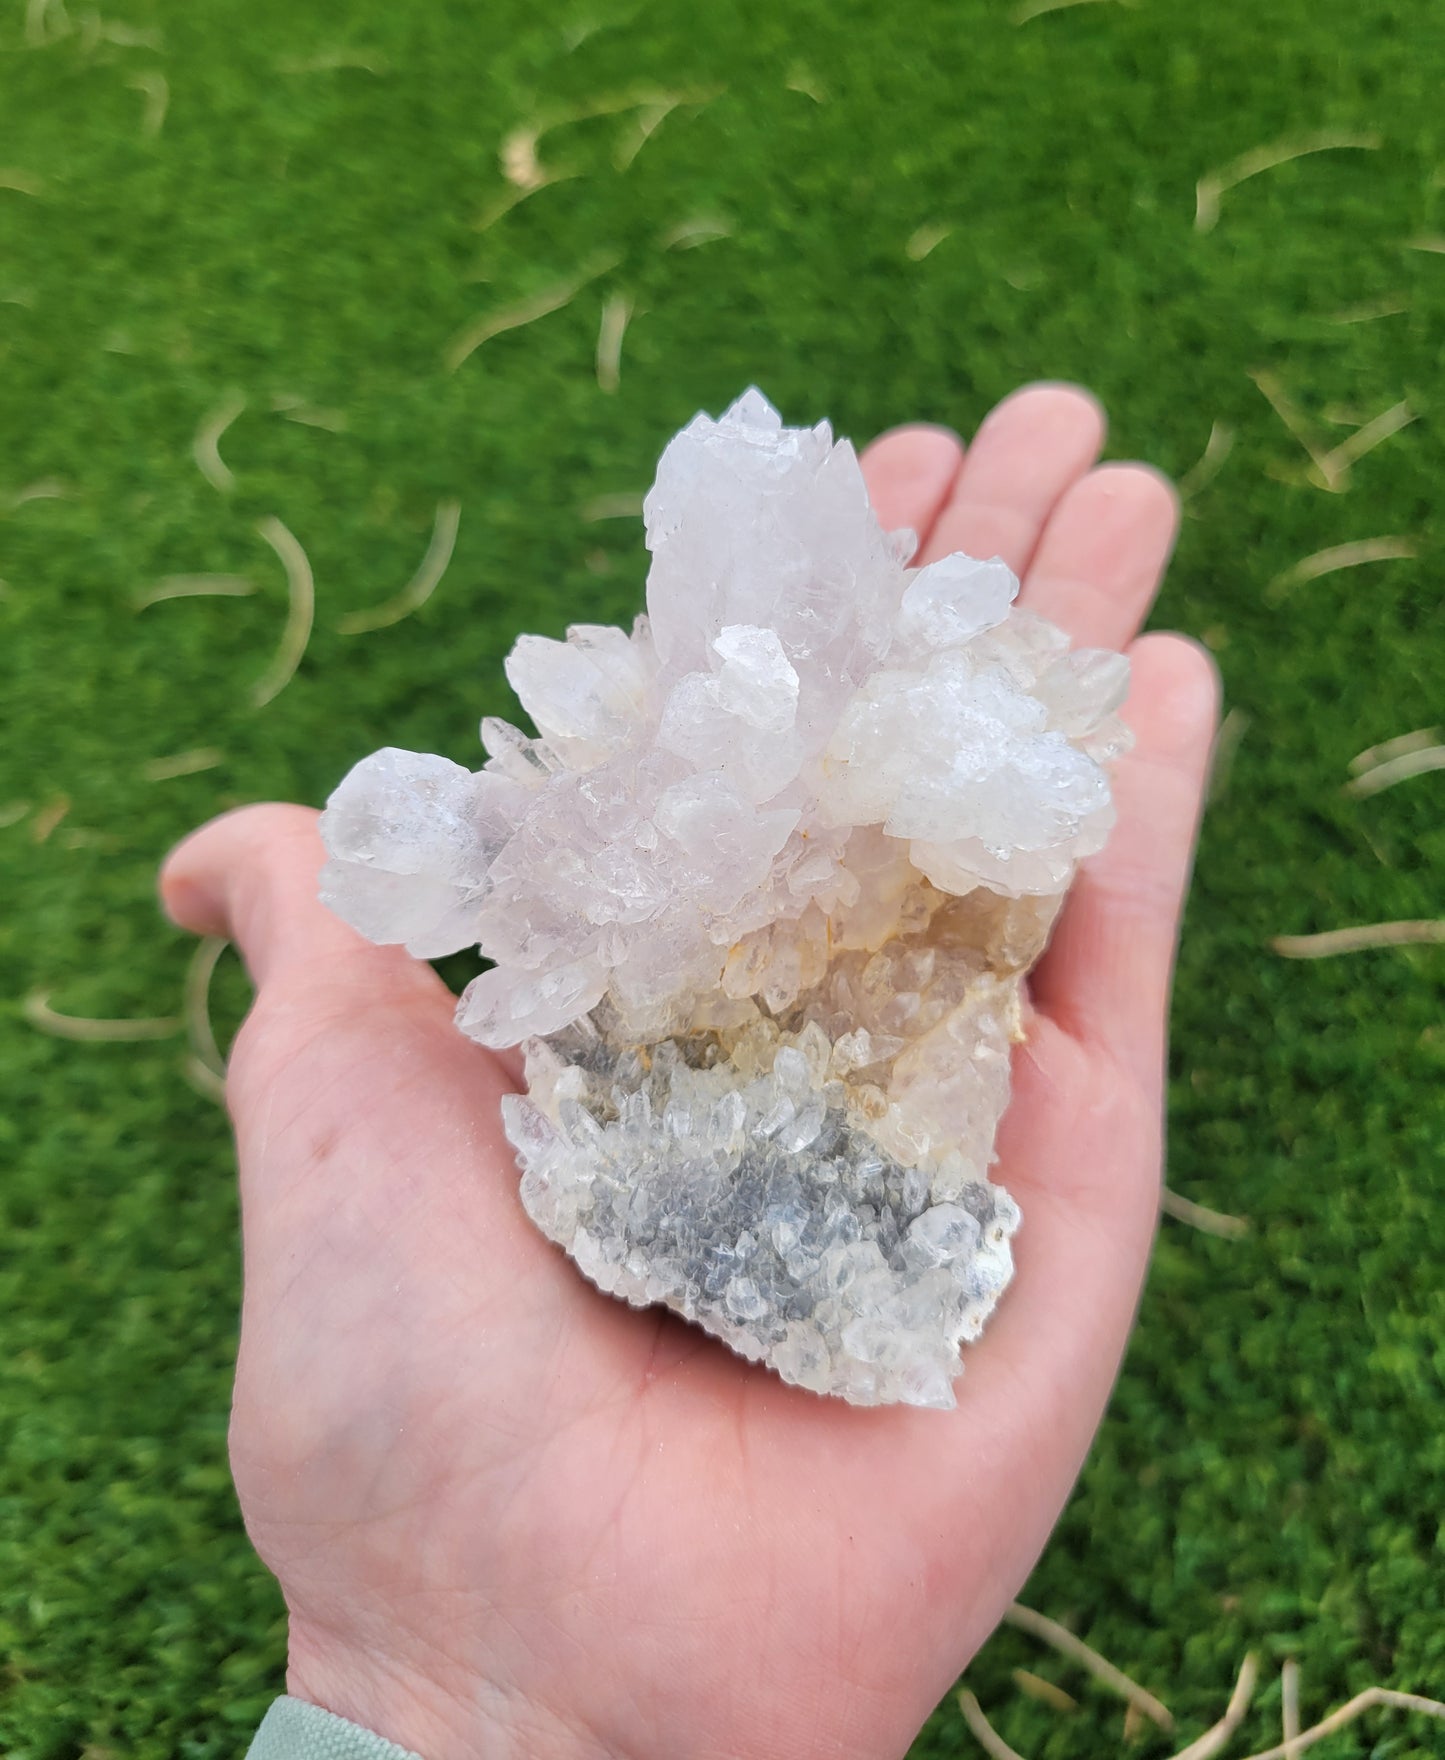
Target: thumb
column 251, row 876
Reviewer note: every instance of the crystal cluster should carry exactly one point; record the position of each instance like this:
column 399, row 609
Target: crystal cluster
column 760, row 896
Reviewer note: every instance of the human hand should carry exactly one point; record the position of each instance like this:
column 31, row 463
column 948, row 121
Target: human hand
column 512, row 1517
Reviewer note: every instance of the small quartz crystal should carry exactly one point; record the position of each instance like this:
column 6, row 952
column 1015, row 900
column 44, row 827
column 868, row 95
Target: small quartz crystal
column 759, row 897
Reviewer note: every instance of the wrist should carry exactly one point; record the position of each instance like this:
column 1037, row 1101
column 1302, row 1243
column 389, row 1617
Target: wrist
column 436, row 1708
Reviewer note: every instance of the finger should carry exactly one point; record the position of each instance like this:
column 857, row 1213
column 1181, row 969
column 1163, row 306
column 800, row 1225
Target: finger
column 1028, row 452
column 909, row 472
column 252, row 876
column 1106, row 975
column 1103, row 553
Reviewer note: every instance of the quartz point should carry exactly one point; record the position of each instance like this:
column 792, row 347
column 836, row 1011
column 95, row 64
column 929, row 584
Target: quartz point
column 760, row 897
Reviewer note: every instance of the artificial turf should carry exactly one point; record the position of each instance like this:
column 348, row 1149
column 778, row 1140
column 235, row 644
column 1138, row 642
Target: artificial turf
column 303, row 205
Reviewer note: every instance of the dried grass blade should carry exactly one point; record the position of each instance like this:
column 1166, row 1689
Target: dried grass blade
column 467, row 341
column 616, row 314
column 422, row 584
column 196, row 586
column 1285, row 408
column 1393, row 748
column 1226, row 748
column 1428, row 932
column 1347, row 1713
column 41, row 1015
column 1215, row 1222
column 1210, row 462
column 200, row 1034
column 1391, row 306
column 24, row 183
column 205, row 1081
column 1213, row 185
column 687, row 235
column 1214, row 1739
column 189, row 763
column 301, row 611
column 624, row 505
column 1060, row 1638
column 49, row 816
column 206, row 447
column 1289, row 1707
column 1034, row 1686
column 1386, row 775
column 926, row 240
column 983, row 1731
column 1336, row 463
column 156, row 91
column 1038, row 8
column 1363, row 550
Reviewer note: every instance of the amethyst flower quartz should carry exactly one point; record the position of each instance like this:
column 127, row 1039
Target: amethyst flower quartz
column 760, row 895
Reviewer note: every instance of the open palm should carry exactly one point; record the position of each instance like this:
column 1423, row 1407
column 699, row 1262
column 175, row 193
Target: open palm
column 512, row 1517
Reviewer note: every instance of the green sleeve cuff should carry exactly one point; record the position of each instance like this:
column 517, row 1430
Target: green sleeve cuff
column 294, row 1730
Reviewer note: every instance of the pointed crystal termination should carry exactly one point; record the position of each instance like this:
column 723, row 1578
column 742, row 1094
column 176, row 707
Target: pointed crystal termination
column 760, row 896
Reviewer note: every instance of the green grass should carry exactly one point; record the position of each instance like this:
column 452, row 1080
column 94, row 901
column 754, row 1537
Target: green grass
column 1271, row 1473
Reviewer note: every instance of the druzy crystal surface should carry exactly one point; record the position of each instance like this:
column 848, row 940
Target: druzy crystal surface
column 760, row 894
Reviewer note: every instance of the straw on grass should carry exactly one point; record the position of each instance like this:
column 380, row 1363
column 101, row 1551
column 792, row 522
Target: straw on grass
column 1389, row 306
column 616, row 314
column 1355, row 555
column 422, row 584
column 1213, row 185
column 649, row 119
column 806, row 83
column 513, row 197
column 1396, row 747
column 43, row 489
column 1289, row 1706
column 687, row 235
column 156, row 91
column 1050, row 1632
column 1207, row 1221
column 37, row 1010
column 1218, row 1736
column 1210, row 462
column 49, row 816
column 1399, row 769
column 200, row 1033
column 1335, row 465
column 1226, row 748
column 195, row 586
column 333, row 61
column 205, row 1081
column 37, row 22
column 627, row 504
column 189, row 763
column 1284, row 407
column 1347, row 1713
column 24, row 183
column 982, row 1730
column 1332, row 941
column 1034, row 1686
column 551, row 299
column 1033, row 9
column 301, row 610
column 925, row 240
column 206, row 447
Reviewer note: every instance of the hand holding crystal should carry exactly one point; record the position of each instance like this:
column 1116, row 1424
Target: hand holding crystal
column 512, row 1516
